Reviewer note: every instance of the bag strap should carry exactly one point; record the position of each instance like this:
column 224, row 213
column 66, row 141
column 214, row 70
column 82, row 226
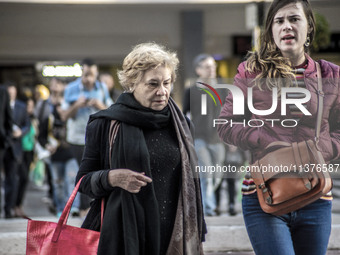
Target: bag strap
column 64, row 215
column 114, row 126
column 320, row 105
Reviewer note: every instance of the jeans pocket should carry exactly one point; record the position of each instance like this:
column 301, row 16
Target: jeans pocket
column 250, row 204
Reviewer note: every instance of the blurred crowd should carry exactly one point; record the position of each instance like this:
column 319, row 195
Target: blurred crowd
column 42, row 133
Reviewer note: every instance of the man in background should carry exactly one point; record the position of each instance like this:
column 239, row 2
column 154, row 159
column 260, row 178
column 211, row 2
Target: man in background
column 108, row 80
column 210, row 150
column 14, row 153
column 5, row 129
column 83, row 97
column 63, row 163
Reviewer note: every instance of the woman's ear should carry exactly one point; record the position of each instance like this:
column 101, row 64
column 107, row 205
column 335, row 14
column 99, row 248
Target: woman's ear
column 310, row 29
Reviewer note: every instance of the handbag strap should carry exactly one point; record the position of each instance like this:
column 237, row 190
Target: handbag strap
column 320, row 105
column 66, row 212
column 114, row 126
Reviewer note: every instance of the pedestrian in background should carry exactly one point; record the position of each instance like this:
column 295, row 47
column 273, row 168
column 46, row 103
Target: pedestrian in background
column 288, row 33
column 28, row 142
column 210, row 150
column 152, row 196
column 45, row 144
column 6, row 123
column 83, row 97
column 235, row 158
column 63, row 163
column 107, row 79
column 14, row 153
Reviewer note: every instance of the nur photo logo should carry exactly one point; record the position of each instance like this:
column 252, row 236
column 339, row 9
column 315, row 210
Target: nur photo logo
column 239, row 99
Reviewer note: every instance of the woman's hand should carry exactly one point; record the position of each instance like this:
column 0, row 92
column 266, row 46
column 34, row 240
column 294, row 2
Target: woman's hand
column 96, row 104
column 129, row 180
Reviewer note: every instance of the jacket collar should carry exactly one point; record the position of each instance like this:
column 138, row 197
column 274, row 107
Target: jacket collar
column 311, row 67
column 311, row 75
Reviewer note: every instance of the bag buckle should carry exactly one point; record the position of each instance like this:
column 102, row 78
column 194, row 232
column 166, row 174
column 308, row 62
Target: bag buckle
column 269, row 200
column 265, row 190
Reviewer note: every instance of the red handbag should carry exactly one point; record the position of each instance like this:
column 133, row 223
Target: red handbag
column 50, row 238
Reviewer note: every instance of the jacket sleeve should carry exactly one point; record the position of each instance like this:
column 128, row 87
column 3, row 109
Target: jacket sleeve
column 8, row 116
column 240, row 135
column 25, row 122
column 186, row 101
column 334, row 121
column 93, row 167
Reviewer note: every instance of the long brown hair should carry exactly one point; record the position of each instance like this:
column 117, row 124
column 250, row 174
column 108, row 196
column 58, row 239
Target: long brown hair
column 268, row 62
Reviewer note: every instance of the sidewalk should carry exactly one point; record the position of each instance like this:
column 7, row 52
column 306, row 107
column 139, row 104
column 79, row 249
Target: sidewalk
column 227, row 234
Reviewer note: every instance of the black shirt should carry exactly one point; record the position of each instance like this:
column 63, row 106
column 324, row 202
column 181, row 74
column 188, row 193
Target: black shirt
column 165, row 163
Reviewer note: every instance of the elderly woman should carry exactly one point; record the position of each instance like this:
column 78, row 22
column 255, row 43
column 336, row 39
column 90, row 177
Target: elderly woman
column 152, row 196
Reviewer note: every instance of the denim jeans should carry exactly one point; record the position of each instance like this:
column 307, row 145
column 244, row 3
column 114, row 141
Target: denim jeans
column 64, row 176
column 209, row 155
column 305, row 231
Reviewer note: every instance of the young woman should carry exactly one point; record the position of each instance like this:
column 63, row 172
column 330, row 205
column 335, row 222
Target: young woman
column 282, row 61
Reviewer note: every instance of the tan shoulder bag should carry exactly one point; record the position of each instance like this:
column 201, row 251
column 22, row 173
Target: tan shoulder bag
column 294, row 175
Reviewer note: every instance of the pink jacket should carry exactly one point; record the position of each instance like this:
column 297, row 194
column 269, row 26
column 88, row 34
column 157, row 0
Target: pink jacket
column 256, row 139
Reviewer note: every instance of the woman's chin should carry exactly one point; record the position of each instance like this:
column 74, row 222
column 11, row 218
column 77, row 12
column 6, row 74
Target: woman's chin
column 158, row 106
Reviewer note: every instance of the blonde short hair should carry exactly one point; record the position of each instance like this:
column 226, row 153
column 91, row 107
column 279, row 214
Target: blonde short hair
column 142, row 58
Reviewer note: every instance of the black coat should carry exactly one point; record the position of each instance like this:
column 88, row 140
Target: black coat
column 5, row 119
column 22, row 120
